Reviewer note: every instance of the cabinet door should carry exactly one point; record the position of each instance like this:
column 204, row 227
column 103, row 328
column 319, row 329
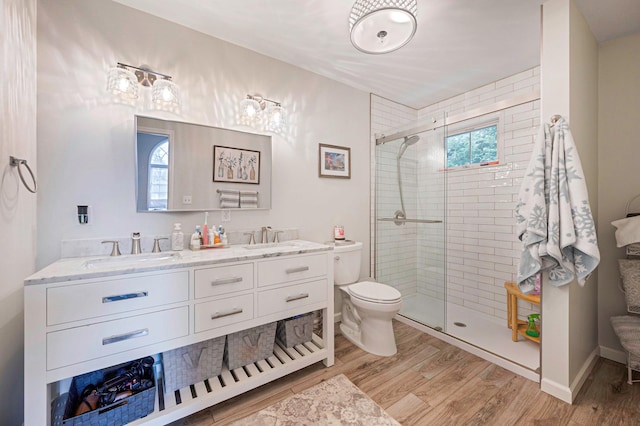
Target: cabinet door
column 79, row 344
column 113, row 296
column 291, row 269
column 291, row 297
column 223, row 280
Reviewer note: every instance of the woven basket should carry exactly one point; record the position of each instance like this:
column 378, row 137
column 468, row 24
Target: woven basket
column 248, row 346
column 191, row 364
column 296, row 330
column 124, row 411
column 630, row 272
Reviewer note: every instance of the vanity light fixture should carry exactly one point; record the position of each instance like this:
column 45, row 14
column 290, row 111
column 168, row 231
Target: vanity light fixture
column 255, row 109
column 382, row 26
column 123, row 81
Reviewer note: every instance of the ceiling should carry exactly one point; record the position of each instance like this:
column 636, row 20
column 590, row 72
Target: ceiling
column 459, row 44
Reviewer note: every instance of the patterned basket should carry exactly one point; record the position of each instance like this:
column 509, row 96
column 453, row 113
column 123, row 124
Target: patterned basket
column 118, row 413
column 248, row 346
column 296, row 330
column 191, row 364
column 630, row 272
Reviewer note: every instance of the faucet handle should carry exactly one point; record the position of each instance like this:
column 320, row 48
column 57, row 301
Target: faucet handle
column 115, row 251
column 156, row 244
column 276, row 239
column 252, row 240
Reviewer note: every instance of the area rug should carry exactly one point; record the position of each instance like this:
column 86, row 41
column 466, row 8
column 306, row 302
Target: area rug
column 336, row 401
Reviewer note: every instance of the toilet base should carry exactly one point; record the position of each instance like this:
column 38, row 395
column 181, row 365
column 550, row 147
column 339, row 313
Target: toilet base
column 355, row 337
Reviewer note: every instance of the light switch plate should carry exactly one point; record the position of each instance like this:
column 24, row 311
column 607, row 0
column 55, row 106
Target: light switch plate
column 226, row 216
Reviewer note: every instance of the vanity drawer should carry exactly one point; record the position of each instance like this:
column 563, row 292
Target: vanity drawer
column 291, row 269
column 218, row 313
column 223, row 279
column 96, row 299
column 285, row 298
column 75, row 345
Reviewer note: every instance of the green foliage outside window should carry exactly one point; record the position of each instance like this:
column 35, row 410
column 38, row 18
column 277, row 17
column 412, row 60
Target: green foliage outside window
column 472, row 147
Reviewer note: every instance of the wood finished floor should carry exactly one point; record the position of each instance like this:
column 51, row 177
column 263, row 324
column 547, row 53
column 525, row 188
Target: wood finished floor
column 430, row 382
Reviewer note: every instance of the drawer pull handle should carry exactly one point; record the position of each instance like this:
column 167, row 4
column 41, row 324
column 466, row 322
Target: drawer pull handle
column 222, row 281
column 299, row 269
column 298, row 297
column 226, row 314
column 125, row 336
column 120, row 297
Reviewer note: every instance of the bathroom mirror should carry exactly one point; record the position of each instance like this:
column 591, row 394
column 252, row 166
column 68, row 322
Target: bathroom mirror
column 190, row 167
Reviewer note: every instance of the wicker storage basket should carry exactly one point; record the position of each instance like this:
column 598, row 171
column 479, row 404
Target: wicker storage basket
column 126, row 410
column 248, row 346
column 296, row 330
column 191, row 364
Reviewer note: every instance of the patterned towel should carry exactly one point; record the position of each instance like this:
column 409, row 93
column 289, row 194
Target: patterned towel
column 229, row 198
column 553, row 216
column 249, row 199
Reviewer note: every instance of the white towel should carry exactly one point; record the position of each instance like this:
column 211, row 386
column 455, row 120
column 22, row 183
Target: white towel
column 229, row 198
column 553, row 216
column 628, row 231
column 249, row 199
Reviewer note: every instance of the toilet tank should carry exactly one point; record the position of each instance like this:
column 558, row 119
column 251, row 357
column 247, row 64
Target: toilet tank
column 346, row 263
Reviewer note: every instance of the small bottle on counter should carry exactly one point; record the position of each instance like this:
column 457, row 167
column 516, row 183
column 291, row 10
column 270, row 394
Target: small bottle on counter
column 177, row 237
column 195, row 239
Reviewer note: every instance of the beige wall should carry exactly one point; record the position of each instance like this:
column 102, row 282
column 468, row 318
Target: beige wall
column 86, row 141
column 618, row 162
column 17, row 205
column 569, row 88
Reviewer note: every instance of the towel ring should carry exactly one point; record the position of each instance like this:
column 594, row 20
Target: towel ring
column 626, row 208
column 17, row 162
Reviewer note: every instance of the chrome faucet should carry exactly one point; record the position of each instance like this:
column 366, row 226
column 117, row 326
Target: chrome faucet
column 135, row 243
column 156, row 244
column 265, row 234
column 115, row 251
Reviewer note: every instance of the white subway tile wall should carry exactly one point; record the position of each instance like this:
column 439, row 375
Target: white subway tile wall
column 482, row 250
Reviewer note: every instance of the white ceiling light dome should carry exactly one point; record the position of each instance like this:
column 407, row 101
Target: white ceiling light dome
column 382, row 26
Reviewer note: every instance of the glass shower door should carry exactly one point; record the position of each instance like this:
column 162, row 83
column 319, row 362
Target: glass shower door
column 410, row 210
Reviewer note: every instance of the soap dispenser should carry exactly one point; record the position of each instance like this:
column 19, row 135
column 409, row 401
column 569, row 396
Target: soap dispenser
column 177, row 237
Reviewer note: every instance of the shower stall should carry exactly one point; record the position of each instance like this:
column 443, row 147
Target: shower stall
column 443, row 231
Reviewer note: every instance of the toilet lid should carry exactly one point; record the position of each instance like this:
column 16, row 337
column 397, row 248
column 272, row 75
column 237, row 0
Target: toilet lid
column 374, row 292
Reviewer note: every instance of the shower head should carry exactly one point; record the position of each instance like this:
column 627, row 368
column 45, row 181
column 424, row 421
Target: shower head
column 408, row 141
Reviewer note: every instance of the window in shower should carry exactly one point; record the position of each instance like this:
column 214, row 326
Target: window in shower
column 473, row 146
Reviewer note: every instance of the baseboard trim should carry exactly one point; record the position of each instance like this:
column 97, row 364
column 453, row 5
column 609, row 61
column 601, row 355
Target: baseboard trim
column 563, row 393
column 613, row 354
column 568, row 394
column 498, row 360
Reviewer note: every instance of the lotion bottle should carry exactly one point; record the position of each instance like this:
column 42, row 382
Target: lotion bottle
column 195, row 239
column 177, row 237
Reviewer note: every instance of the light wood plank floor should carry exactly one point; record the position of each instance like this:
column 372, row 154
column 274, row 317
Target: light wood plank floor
column 429, row 382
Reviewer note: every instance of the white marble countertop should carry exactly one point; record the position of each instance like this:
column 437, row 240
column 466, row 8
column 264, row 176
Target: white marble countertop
column 78, row 268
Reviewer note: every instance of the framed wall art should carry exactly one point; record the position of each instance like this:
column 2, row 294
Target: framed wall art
column 235, row 165
column 334, row 161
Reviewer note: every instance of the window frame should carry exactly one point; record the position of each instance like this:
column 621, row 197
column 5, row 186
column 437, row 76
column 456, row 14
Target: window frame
column 468, row 126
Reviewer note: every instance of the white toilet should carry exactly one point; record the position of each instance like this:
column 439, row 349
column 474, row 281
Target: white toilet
column 367, row 307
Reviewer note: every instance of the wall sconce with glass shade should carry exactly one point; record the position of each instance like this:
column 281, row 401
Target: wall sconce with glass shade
column 382, row 26
column 258, row 111
column 123, row 81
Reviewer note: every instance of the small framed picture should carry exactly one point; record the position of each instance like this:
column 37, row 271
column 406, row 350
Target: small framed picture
column 236, row 165
column 334, row 161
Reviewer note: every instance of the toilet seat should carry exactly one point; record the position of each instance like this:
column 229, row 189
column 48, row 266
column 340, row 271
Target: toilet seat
column 374, row 292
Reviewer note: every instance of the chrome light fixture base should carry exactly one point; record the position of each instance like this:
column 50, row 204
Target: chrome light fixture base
column 382, row 26
column 123, row 82
column 258, row 111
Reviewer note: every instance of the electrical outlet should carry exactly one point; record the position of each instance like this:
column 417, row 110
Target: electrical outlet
column 226, row 215
column 186, row 199
column 84, row 214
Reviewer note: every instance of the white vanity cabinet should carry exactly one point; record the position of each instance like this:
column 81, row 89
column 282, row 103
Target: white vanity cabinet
column 88, row 320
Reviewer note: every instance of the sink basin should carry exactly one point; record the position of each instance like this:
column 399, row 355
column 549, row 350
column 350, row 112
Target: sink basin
column 132, row 260
column 271, row 245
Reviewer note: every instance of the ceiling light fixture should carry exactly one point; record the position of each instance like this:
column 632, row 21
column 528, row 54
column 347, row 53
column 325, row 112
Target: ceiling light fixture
column 256, row 109
column 123, row 81
column 382, row 26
